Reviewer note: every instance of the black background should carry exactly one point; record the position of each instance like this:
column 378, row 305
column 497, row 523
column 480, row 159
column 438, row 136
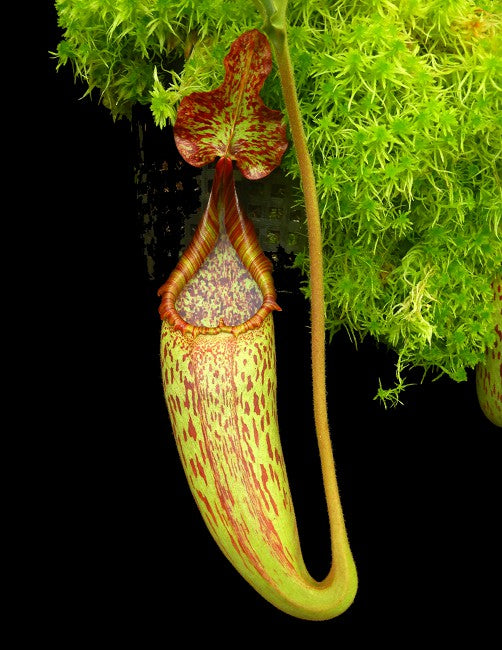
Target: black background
column 132, row 558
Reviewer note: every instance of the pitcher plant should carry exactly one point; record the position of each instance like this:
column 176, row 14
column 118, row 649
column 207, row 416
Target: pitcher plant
column 218, row 354
column 400, row 109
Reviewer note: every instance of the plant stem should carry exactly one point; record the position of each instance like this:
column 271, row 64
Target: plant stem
column 341, row 554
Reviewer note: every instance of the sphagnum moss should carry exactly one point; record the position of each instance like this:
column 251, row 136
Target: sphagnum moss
column 401, row 103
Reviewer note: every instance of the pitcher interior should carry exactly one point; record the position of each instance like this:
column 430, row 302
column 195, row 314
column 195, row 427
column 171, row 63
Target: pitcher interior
column 221, row 290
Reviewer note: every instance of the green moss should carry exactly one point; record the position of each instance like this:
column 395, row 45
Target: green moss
column 402, row 105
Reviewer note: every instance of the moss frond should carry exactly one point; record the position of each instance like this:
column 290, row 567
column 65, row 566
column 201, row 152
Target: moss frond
column 401, row 102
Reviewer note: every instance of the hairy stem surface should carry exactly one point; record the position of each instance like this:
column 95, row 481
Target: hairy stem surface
column 343, row 573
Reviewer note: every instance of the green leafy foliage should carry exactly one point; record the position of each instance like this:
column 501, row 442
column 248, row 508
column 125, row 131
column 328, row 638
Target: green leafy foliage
column 402, row 108
column 133, row 51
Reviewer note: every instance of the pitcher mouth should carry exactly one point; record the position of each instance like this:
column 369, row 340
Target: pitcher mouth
column 224, row 233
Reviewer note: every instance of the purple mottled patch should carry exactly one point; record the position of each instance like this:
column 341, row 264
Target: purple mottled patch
column 221, row 289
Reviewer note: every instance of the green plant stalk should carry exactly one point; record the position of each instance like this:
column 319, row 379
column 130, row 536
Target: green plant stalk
column 343, row 575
